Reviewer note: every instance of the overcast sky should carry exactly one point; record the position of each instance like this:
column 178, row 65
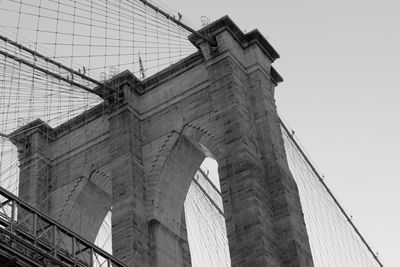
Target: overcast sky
column 341, row 94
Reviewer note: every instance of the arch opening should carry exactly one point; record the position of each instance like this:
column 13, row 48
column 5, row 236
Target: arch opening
column 103, row 240
column 189, row 174
column 104, row 235
column 205, row 221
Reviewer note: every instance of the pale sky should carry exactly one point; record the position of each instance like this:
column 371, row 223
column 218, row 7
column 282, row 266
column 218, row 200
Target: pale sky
column 341, row 94
column 340, row 64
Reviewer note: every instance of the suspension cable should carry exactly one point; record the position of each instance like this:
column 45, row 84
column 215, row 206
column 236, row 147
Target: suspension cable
column 179, row 23
column 290, row 135
column 57, row 76
column 47, row 59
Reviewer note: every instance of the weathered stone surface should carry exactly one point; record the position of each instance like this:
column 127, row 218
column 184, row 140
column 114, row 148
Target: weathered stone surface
column 138, row 156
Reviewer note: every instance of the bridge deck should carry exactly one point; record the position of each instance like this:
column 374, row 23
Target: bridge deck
column 28, row 237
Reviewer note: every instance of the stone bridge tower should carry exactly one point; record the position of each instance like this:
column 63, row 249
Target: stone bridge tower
column 138, row 153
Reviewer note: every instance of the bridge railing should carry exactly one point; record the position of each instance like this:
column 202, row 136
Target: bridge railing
column 32, row 237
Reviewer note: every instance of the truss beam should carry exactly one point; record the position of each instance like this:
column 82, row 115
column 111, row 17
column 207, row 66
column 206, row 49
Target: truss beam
column 21, row 236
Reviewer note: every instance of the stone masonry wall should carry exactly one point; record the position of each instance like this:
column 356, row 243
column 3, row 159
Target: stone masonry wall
column 138, row 155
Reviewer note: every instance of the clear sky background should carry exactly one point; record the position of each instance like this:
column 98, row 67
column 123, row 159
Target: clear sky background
column 341, row 95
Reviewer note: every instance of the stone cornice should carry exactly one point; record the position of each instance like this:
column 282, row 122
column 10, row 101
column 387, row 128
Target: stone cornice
column 37, row 125
column 245, row 39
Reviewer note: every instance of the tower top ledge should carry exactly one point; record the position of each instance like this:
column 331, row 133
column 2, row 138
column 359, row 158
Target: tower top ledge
column 245, row 39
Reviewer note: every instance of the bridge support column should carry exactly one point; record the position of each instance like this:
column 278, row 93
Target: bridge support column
column 265, row 223
column 247, row 204
column 136, row 241
column 33, row 142
column 287, row 215
column 167, row 248
column 129, row 222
